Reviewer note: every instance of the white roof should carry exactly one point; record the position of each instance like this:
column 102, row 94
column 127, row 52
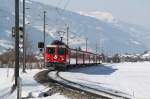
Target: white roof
column 62, row 46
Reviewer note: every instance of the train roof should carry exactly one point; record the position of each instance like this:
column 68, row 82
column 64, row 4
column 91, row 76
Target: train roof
column 62, row 46
column 57, row 43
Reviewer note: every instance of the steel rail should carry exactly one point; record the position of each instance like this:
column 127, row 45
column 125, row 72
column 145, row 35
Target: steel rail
column 107, row 94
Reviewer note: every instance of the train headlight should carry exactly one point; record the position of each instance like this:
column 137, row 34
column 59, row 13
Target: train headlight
column 62, row 58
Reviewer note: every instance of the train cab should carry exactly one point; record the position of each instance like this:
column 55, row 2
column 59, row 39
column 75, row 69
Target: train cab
column 56, row 54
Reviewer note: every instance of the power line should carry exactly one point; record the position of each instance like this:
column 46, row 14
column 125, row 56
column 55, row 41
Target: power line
column 66, row 5
column 59, row 2
column 61, row 11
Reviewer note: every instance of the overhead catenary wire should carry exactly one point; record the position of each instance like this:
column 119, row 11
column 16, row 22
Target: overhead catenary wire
column 66, row 5
column 63, row 8
column 59, row 2
column 60, row 10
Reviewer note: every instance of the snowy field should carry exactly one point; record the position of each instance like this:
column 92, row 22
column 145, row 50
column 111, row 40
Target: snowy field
column 131, row 78
column 29, row 86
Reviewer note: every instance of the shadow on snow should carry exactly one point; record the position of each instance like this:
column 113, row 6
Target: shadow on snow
column 96, row 70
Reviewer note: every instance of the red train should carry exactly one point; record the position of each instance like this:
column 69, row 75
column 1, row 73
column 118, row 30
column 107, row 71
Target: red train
column 59, row 56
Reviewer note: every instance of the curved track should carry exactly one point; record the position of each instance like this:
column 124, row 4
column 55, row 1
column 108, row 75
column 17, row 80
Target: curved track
column 102, row 93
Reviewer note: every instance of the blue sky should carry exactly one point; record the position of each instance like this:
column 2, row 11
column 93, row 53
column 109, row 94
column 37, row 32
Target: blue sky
column 132, row 11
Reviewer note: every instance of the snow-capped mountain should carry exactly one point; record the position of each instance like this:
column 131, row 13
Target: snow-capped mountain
column 103, row 16
column 112, row 36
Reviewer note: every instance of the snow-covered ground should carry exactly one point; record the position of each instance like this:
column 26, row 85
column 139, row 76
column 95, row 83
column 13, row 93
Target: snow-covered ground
column 29, row 86
column 132, row 78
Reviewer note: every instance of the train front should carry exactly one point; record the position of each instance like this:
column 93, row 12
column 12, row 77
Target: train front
column 56, row 55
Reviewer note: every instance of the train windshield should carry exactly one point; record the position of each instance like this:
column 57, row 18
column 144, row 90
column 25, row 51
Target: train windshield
column 50, row 50
column 61, row 51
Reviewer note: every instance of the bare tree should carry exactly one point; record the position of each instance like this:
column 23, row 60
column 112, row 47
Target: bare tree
column 8, row 58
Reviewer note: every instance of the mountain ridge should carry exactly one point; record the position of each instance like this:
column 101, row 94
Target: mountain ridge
column 111, row 37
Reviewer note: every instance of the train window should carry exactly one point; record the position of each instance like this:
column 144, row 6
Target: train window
column 61, row 51
column 51, row 50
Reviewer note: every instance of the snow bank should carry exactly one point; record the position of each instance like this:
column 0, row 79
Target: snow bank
column 30, row 88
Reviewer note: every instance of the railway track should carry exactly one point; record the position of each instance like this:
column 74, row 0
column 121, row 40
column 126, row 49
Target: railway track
column 102, row 93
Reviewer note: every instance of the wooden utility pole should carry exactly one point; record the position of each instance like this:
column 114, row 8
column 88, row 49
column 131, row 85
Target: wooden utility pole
column 44, row 26
column 16, row 41
column 96, row 52
column 68, row 36
column 86, row 44
column 24, row 38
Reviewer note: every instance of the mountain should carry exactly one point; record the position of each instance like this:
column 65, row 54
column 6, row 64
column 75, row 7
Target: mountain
column 111, row 35
column 103, row 16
